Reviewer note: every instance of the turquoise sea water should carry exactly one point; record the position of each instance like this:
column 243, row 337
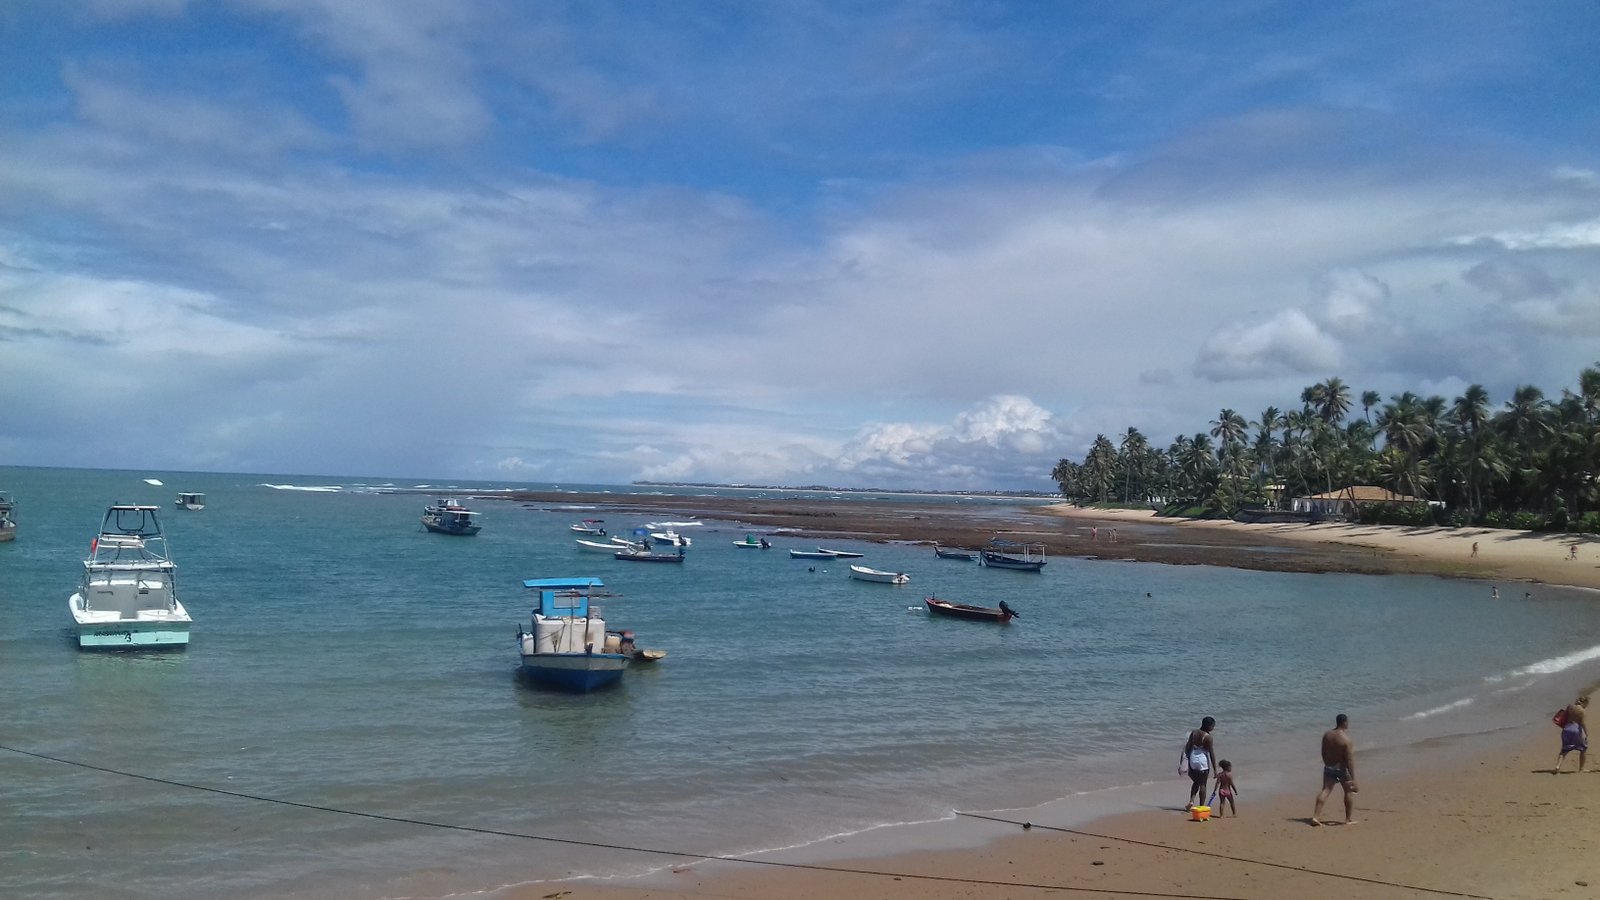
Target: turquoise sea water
column 343, row 657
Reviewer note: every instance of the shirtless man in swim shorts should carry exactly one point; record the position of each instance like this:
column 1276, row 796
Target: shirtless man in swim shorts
column 1338, row 767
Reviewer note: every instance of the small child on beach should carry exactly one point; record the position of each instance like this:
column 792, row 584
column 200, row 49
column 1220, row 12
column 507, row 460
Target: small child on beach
column 1226, row 789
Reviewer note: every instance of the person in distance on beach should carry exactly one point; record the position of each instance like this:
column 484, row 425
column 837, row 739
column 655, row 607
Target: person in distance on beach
column 1574, row 734
column 1338, row 767
column 1198, row 757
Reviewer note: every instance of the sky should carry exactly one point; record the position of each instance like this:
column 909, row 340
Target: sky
column 923, row 245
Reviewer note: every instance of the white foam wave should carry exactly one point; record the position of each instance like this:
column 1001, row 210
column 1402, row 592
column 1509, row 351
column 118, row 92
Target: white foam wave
column 1448, row 707
column 316, row 488
column 1558, row 663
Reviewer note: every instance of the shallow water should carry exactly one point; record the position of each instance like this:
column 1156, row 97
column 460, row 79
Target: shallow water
column 344, row 658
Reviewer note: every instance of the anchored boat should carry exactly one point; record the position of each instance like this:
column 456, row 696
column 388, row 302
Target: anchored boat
column 128, row 598
column 1001, row 614
column 8, row 526
column 1011, row 555
column 569, row 647
column 191, row 501
column 862, row 573
column 450, row 517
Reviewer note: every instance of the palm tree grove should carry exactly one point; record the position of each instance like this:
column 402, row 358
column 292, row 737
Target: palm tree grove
column 1529, row 464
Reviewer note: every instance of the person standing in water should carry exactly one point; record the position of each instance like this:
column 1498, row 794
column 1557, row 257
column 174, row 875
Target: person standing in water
column 1200, row 760
column 1338, row 767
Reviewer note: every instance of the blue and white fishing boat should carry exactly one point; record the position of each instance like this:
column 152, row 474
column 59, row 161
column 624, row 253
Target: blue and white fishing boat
column 569, row 647
column 128, row 599
column 1003, row 554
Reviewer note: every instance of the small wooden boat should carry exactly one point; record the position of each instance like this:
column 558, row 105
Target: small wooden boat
column 590, row 526
column 862, row 573
column 648, row 656
column 1001, row 614
column 840, row 554
column 751, row 543
column 597, row 547
column 810, row 554
column 963, row 555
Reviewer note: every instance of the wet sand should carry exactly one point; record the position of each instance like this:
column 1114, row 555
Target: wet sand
column 1479, row 817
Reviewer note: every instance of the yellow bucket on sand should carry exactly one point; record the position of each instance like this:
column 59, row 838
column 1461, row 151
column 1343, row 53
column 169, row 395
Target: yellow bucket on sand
column 1200, row 813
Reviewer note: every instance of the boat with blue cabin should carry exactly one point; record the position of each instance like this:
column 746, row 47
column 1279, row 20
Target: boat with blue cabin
column 128, row 599
column 569, row 647
column 450, row 517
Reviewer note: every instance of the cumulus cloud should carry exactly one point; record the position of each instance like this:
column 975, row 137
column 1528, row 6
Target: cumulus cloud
column 1007, row 434
column 1287, row 343
column 1350, row 302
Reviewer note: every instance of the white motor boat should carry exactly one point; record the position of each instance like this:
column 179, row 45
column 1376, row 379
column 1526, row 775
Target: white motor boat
column 190, row 501
column 128, row 599
column 862, row 573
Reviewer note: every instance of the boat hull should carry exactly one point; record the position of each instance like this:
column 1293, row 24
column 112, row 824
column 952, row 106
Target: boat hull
column 961, row 555
column 998, row 561
column 149, row 632
column 810, row 554
column 861, row 573
column 967, row 611
column 458, row 531
column 576, row 672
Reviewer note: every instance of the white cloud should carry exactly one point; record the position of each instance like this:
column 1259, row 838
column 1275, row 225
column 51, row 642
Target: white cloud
column 1351, row 302
column 1287, row 343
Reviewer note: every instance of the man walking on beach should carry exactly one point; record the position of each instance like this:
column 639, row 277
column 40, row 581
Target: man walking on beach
column 1338, row 767
column 1574, row 734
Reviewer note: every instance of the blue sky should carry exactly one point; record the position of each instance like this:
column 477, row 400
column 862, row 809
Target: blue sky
column 928, row 245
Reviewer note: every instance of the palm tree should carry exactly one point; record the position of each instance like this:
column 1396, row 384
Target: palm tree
column 1132, row 455
column 1470, row 415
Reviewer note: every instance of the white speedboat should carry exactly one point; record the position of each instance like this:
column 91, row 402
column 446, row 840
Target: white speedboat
column 597, row 547
column 569, row 647
column 128, row 599
column 191, row 501
column 862, row 573
column 590, row 526
column 670, row 538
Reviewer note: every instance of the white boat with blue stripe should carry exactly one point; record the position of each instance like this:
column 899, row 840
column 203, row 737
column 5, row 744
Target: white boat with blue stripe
column 569, row 647
column 128, row 599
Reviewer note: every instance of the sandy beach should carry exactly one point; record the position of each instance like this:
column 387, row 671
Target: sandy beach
column 1479, row 816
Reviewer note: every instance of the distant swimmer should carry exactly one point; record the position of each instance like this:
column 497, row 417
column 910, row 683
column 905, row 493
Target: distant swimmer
column 1338, row 767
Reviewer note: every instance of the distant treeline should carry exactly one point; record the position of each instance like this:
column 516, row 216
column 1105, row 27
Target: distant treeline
column 1531, row 464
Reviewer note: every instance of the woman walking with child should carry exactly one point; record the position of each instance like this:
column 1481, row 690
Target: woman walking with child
column 1198, row 761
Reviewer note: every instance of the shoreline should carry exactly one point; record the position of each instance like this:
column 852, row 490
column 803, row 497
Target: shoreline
column 1474, row 813
column 1479, row 816
column 1521, row 557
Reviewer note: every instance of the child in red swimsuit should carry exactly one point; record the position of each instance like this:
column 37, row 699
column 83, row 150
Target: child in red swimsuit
column 1226, row 789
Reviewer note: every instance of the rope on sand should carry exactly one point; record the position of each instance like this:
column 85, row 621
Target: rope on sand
column 1239, row 859
column 899, row 876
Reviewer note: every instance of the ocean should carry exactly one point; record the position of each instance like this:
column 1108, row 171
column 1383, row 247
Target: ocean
column 347, row 662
